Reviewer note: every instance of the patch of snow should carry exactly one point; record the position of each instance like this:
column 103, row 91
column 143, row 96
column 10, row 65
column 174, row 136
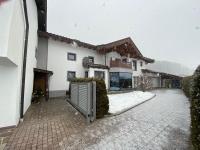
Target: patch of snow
column 122, row 102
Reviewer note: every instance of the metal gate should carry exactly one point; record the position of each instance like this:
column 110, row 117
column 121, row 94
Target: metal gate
column 83, row 98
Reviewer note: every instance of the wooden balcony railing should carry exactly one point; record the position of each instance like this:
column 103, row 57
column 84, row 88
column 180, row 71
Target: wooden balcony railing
column 119, row 64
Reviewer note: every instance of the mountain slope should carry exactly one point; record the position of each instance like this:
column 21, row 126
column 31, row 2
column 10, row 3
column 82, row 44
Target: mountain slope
column 171, row 68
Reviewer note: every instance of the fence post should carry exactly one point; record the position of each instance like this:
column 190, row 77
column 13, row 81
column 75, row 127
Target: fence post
column 93, row 109
column 89, row 100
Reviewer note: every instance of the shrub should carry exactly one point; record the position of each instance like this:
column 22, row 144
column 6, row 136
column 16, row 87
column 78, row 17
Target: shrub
column 102, row 102
column 195, row 112
column 187, row 85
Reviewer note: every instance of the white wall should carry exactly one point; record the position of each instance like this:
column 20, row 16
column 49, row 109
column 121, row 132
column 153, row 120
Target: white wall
column 32, row 45
column 8, row 96
column 7, row 12
column 42, row 53
column 139, row 68
column 13, row 48
column 58, row 63
column 10, row 74
column 91, row 74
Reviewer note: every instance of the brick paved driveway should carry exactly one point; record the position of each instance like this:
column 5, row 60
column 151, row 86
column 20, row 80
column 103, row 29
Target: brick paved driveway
column 162, row 123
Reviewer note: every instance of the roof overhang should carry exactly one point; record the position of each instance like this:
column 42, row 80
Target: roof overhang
column 124, row 47
column 43, row 71
column 65, row 39
column 162, row 74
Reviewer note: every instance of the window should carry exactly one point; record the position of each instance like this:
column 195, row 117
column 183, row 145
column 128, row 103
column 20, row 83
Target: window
column 134, row 65
column 71, row 56
column 141, row 64
column 71, row 75
column 120, row 80
column 124, row 60
column 86, row 74
column 91, row 59
column 99, row 74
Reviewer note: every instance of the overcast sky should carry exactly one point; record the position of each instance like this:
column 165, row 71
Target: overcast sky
column 161, row 29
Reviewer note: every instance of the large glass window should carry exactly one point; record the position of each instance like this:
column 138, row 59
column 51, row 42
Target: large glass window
column 125, row 80
column 120, row 80
column 114, row 81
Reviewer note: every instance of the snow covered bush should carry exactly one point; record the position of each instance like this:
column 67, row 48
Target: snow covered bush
column 195, row 111
column 102, row 102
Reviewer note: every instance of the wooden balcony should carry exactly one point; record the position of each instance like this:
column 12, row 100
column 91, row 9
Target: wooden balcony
column 119, row 64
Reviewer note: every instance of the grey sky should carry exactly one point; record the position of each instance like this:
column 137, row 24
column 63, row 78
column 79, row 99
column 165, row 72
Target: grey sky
column 162, row 29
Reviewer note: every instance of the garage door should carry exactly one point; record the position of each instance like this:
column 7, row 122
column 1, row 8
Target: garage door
column 156, row 82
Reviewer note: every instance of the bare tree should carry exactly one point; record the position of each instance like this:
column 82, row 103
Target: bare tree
column 144, row 83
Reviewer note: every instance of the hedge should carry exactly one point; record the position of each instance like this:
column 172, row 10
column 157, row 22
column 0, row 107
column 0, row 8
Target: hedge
column 102, row 102
column 187, row 85
column 195, row 112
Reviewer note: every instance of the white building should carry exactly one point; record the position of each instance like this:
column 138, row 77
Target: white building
column 18, row 43
column 118, row 63
column 32, row 59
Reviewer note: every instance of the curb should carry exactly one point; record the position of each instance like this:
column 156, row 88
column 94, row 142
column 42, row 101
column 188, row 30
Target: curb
column 127, row 109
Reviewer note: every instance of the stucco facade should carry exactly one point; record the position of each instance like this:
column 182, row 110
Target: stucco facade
column 52, row 55
column 60, row 65
column 11, row 59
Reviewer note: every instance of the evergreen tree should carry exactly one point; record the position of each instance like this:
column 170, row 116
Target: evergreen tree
column 195, row 110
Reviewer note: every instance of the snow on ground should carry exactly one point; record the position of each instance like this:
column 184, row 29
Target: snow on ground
column 122, row 102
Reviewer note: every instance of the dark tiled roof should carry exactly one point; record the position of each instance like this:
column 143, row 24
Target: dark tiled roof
column 123, row 46
column 66, row 40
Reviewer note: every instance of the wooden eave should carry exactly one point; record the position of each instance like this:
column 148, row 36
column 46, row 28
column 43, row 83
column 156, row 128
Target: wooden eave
column 65, row 39
column 123, row 47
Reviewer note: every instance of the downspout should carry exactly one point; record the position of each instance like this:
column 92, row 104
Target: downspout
column 24, row 59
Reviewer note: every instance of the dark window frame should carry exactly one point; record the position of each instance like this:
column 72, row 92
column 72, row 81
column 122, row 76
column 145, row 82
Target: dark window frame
column 141, row 63
column 68, row 58
column 91, row 57
column 134, row 65
column 69, row 79
column 86, row 74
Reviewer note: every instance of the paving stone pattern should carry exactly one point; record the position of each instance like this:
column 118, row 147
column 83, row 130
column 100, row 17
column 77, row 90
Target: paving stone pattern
column 161, row 123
